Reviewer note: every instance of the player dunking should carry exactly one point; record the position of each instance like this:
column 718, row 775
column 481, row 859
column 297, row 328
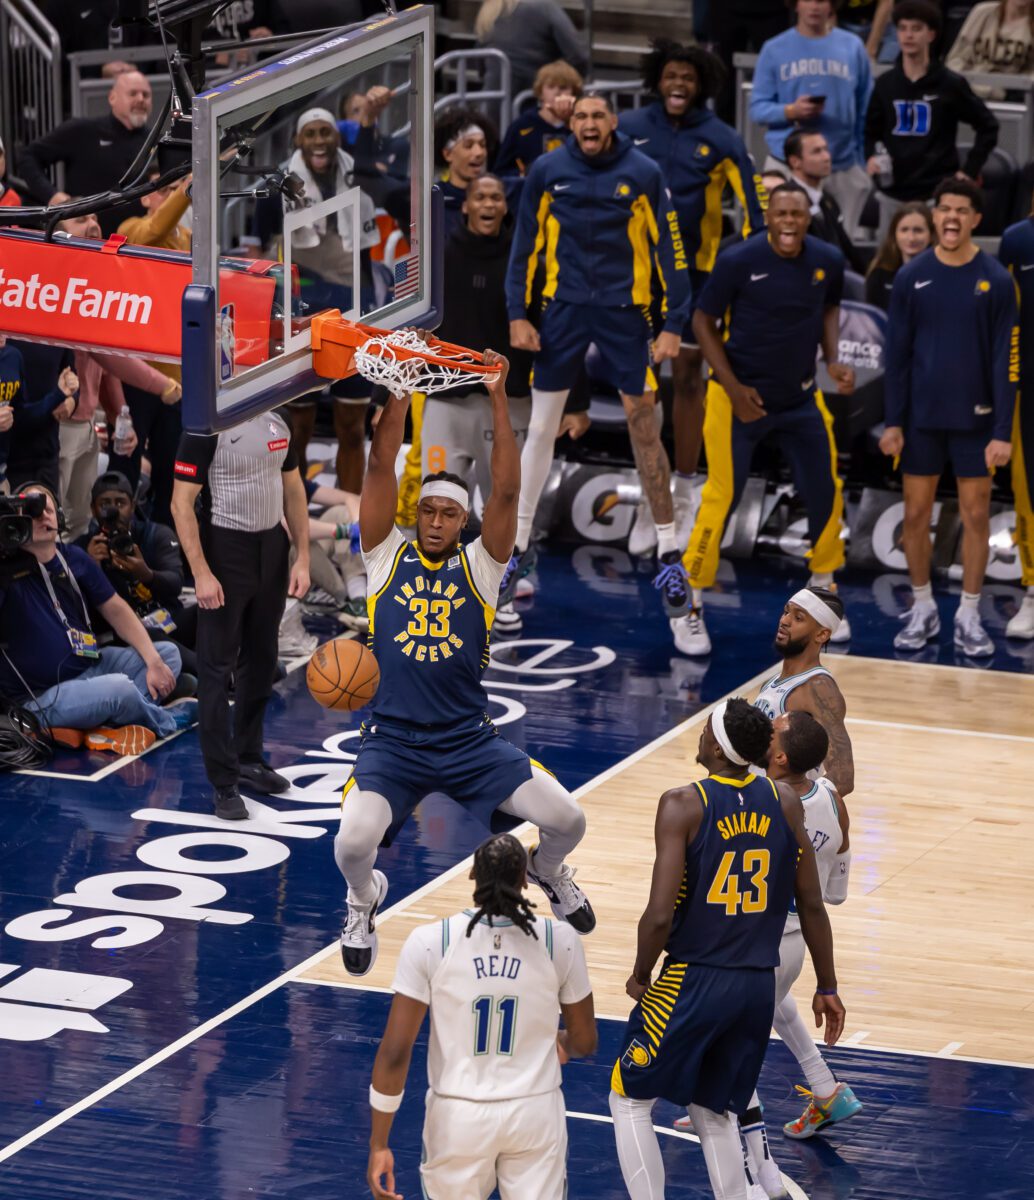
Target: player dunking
column 431, row 605
column 732, row 852
column 809, row 619
column 494, row 978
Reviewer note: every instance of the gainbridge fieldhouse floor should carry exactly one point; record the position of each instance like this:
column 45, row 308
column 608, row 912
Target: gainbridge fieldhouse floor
column 208, row 1046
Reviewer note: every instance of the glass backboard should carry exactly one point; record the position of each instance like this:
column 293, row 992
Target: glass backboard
column 312, row 191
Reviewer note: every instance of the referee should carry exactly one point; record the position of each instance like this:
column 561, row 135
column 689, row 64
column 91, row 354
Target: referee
column 779, row 298
column 249, row 482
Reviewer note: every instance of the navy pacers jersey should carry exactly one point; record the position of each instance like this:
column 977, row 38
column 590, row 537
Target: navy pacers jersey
column 429, row 629
column 739, row 877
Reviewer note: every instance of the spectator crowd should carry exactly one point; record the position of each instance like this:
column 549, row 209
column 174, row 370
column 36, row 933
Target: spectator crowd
column 596, row 247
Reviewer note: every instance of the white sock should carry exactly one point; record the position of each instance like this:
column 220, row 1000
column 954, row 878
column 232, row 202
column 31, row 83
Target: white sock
column 547, row 408
column 825, row 580
column 790, row 1026
column 685, row 485
column 698, row 598
column 922, row 596
column 761, row 1164
column 719, row 1135
column 639, row 1152
column 666, row 543
column 970, row 602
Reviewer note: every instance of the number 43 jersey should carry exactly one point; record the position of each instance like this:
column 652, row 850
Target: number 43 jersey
column 495, row 1002
column 429, row 628
column 738, row 882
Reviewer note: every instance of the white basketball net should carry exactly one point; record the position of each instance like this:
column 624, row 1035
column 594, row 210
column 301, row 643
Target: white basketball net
column 377, row 361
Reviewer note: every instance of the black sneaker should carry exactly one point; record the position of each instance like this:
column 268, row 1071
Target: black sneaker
column 260, row 777
column 567, row 900
column 673, row 585
column 516, row 569
column 229, row 805
column 358, row 939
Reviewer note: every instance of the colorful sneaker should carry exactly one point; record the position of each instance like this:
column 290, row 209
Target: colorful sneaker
column 358, row 939
column 518, row 566
column 841, row 1105
column 567, row 900
column 672, row 583
column 127, row 739
column 922, row 624
column 685, row 1122
column 71, row 739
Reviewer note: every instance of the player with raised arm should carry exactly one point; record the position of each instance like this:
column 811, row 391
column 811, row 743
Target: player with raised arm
column 808, row 622
column 431, row 606
column 494, row 978
column 732, row 854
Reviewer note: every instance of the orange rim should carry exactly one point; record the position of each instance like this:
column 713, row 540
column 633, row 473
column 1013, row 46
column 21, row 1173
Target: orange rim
column 355, row 334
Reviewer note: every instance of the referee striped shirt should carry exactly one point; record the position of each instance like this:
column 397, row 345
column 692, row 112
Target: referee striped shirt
column 240, row 471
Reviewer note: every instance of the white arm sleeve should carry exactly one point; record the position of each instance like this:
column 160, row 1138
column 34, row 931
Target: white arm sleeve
column 836, row 884
column 569, row 960
column 485, row 571
column 418, row 961
column 378, row 560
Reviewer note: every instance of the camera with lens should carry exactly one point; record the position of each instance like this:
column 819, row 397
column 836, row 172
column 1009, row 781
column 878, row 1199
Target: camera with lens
column 16, row 516
column 120, row 540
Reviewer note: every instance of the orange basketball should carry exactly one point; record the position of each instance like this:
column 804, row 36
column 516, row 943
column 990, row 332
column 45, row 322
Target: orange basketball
column 343, row 674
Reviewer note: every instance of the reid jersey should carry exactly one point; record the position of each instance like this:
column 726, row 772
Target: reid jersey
column 738, row 882
column 429, row 629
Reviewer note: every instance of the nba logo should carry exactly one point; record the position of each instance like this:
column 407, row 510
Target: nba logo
column 227, row 342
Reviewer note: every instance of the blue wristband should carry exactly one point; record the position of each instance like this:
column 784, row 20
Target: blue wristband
column 825, row 991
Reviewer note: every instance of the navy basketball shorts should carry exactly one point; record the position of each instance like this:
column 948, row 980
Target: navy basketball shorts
column 698, row 1036
column 470, row 762
column 621, row 335
column 928, row 452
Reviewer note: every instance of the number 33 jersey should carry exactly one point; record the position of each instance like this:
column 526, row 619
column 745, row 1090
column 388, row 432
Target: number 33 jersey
column 738, row 881
column 495, row 1002
column 429, row 629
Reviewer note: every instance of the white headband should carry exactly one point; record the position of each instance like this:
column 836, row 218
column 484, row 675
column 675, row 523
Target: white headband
column 315, row 114
column 447, row 490
column 816, row 607
column 470, row 131
column 718, row 729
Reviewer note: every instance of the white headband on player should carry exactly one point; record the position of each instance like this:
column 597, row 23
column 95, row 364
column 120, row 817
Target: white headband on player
column 816, row 607
column 447, row 491
column 718, row 729
column 470, row 131
column 315, row 114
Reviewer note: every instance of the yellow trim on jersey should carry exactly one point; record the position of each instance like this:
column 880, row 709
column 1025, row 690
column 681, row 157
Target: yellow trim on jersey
column 371, row 601
column 700, row 788
column 1024, row 535
column 748, row 778
column 552, row 261
column 540, row 241
column 711, row 222
column 827, row 555
column 615, row 1079
column 535, row 763
column 642, row 233
column 489, row 611
column 350, row 783
column 732, row 174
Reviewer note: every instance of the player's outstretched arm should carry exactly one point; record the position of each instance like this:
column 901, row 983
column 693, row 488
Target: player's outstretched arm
column 499, row 523
column 390, row 1068
column 818, row 936
column 825, row 701
column 380, row 495
column 678, row 819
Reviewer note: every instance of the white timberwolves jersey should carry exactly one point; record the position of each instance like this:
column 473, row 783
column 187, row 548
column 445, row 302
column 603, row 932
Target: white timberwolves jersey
column 822, row 821
column 495, row 1003
column 772, row 697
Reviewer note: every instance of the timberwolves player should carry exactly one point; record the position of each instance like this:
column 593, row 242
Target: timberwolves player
column 810, row 619
column 431, row 607
column 732, row 852
column 495, row 979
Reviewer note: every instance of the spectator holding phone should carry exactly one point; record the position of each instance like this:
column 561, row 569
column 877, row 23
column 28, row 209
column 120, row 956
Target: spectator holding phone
column 818, row 77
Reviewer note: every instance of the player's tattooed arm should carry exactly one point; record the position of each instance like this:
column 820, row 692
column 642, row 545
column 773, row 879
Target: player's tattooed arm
column 826, row 704
column 650, row 457
column 678, row 819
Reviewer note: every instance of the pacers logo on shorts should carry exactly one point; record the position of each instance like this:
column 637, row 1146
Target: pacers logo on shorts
column 636, row 1055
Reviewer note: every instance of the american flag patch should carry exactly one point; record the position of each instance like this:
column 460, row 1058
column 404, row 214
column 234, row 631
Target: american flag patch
column 407, row 277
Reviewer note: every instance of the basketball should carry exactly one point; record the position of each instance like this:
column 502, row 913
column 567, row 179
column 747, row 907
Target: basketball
column 343, row 674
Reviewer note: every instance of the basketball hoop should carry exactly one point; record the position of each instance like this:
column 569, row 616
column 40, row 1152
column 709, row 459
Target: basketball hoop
column 399, row 359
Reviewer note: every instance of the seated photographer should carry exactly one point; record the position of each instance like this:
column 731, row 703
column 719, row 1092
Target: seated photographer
column 108, row 699
column 141, row 560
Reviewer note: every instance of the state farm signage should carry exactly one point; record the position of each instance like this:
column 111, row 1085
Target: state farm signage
column 106, row 296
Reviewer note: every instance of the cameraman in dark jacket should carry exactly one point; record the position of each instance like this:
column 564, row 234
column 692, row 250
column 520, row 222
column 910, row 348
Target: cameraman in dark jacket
column 142, row 562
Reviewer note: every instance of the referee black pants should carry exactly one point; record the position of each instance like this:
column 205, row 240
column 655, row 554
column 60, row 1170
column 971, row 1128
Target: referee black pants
column 241, row 636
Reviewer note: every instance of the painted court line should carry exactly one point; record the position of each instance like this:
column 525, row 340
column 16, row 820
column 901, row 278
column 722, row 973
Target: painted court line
column 969, row 733
column 156, row 1059
column 109, row 768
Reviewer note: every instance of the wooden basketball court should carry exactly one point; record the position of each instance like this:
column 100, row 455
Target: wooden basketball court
column 935, row 944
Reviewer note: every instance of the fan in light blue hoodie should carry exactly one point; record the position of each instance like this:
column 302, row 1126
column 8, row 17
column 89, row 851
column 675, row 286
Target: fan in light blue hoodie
column 835, row 66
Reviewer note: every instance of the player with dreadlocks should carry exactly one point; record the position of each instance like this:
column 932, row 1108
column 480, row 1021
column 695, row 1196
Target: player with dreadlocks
column 495, row 978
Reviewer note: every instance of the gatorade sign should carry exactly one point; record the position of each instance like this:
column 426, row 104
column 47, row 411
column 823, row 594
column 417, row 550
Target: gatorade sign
column 126, row 299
